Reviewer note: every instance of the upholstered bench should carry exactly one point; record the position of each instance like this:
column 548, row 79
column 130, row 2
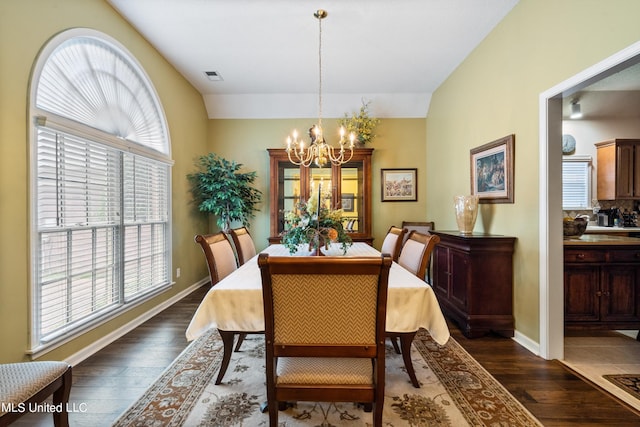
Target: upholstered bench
column 23, row 386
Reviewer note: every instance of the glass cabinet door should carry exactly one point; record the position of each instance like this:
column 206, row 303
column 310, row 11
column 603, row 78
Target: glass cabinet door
column 351, row 192
column 289, row 190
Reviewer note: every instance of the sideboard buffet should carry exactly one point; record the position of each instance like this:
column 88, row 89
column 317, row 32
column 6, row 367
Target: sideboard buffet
column 473, row 279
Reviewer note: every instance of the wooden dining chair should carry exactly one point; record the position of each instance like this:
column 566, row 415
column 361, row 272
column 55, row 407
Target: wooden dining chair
column 221, row 261
column 27, row 383
column 424, row 227
column 325, row 330
column 416, row 252
column 245, row 247
column 392, row 242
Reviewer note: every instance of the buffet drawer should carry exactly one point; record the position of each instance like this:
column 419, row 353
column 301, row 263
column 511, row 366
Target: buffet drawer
column 576, row 255
column 624, row 256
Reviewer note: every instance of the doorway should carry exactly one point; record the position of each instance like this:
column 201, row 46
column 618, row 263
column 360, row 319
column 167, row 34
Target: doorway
column 550, row 232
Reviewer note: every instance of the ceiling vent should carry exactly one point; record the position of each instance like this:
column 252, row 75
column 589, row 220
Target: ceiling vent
column 213, row 76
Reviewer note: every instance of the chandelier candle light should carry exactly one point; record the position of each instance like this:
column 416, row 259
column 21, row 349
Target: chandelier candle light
column 319, row 151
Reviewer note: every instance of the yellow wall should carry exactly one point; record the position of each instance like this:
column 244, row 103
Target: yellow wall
column 25, row 26
column 400, row 144
column 495, row 92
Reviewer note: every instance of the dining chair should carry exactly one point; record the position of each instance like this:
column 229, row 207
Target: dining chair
column 245, row 247
column 221, row 261
column 218, row 251
column 29, row 383
column 424, row 227
column 325, row 330
column 416, row 252
column 393, row 242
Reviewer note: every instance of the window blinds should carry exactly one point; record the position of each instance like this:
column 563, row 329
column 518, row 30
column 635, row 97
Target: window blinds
column 576, row 184
column 102, row 219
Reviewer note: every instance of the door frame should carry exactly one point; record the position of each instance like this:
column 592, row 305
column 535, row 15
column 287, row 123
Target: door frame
column 551, row 269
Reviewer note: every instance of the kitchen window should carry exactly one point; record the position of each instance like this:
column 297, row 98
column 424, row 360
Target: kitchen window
column 100, row 180
column 576, row 183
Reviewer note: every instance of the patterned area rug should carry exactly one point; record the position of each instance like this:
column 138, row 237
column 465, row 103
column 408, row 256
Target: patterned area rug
column 455, row 391
column 628, row 382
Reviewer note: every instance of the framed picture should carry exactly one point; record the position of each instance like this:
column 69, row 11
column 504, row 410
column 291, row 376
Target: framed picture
column 492, row 171
column 399, row 185
column 347, row 202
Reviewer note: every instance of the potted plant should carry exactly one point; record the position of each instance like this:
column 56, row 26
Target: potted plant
column 361, row 124
column 220, row 189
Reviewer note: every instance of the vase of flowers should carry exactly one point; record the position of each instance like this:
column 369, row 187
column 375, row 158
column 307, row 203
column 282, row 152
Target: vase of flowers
column 312, row 224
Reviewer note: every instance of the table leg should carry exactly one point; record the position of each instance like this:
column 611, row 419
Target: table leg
column 227, row 341
column 406, row 338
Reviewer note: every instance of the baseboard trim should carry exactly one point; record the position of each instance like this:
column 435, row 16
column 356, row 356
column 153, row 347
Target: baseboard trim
column 526, row 342
column 98, row 345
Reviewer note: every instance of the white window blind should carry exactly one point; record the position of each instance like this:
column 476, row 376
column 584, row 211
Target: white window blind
column 101, row 183
column 576, row 183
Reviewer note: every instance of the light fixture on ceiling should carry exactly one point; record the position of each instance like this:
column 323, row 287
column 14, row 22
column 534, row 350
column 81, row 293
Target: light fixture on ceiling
column 319, row 152
column 576, row 112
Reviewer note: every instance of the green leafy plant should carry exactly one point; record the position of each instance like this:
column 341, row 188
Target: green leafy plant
column 220, row 189
column 361, row 124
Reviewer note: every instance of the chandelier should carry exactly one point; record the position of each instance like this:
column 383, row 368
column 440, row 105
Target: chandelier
column 319, row 151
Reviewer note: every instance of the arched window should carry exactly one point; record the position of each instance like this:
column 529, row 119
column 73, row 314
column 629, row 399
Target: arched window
column 100, row 180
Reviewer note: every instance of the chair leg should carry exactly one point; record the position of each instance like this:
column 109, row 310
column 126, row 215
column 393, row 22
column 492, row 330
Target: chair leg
column 227, row 341
column 241, row 338
column 406, row 338
column 395, row 343
column 61, row 396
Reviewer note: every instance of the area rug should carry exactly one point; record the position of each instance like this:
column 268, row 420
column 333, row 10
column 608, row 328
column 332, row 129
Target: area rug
column 627, row 382
column 455, row 391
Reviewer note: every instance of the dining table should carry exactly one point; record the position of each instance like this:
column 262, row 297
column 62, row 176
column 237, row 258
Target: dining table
column 234, row 305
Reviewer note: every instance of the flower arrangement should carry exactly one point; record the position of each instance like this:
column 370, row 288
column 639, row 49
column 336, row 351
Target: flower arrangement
column 360, row 124
column 314, row 227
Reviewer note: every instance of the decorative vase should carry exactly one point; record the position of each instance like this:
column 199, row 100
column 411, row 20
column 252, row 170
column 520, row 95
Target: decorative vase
column 466, row 212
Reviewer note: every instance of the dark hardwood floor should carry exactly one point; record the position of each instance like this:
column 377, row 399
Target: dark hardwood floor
column 107, row 383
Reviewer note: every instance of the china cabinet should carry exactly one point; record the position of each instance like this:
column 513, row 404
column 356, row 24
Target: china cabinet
column 618, row 169
column 473, row 280
column 349, row 185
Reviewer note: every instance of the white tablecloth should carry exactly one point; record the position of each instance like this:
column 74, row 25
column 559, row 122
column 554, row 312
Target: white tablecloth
column 235, row 303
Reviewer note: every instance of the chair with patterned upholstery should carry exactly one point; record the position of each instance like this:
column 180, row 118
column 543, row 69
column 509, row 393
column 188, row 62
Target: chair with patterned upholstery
column 393, row 242
column 29, row 383
column 245, row 248
column 325, row 330
column 221, row 261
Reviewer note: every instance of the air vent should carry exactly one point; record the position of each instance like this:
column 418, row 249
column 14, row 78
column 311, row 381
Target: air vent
column 213, row 76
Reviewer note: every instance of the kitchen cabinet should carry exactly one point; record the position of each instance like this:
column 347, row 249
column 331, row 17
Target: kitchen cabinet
column 473, row 280
column 350, row 186
column 602, row 285
column 618, row 169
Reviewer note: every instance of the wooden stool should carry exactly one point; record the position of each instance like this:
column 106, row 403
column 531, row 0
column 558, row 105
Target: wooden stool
column 23, row 385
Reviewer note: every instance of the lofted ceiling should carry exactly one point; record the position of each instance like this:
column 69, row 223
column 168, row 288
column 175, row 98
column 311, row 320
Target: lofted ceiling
column 392, row 53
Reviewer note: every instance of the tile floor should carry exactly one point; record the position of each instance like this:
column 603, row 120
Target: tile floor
column 601, row 353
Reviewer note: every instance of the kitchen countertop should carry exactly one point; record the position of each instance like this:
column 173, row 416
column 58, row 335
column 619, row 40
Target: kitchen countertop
column 594, row 229
column 602, row 240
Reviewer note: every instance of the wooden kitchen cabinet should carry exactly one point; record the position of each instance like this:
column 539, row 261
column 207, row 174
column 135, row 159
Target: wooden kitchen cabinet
column 618, row 169
column 473, row 280
column 601, row 287
column 350, row 186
